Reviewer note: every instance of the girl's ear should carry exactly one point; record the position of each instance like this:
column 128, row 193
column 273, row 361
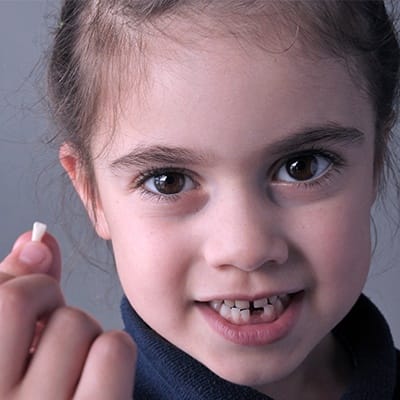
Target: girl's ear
column 71, row 163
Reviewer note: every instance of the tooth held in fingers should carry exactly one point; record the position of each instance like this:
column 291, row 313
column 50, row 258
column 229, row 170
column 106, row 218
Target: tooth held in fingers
column 38, row 231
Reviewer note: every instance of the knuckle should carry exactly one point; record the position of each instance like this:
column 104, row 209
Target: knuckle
column 116, row 345
column 71, row 319
column 13, row 301
column 4, row 275
column 17, row 295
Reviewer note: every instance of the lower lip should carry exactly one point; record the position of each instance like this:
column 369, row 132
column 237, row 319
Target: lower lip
column 255, row 334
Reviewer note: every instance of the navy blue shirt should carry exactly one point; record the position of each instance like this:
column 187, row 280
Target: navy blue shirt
column 164, row 372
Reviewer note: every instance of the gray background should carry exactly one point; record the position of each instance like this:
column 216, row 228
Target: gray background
column 31, row 188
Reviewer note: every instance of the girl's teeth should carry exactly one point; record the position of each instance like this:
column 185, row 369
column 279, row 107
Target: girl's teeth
column 279, row 307
column 242, row 304
column 225, row 311
column 285, row 299
column 245, row 315
column 260, row 303
column 267, row 309
column 269, row 312
column 272, row 300
column 235, row 315
column 216, row 304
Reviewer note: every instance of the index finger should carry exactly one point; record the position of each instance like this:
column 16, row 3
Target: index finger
column 23, row 301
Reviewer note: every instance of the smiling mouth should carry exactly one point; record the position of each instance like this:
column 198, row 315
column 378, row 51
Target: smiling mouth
column 241, row 312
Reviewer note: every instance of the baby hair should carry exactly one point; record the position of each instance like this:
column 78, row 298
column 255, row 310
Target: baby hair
column 100, row 47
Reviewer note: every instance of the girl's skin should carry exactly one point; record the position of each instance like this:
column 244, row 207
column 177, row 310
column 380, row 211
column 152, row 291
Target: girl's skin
column 238, row 226
column 73, row 357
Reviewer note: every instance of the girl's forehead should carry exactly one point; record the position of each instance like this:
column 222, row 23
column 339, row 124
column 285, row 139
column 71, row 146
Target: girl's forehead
column 184, row 37
column 182, row 41
column 182, row 48
column 219, row 86
column 176, row 39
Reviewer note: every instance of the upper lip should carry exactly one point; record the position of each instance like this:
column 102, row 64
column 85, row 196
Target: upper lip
column 248, row 297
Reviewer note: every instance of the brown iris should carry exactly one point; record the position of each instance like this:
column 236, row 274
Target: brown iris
column 170, row 183
column 302, row 168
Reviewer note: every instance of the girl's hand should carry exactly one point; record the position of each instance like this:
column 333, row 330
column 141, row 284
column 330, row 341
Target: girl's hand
column 72, row 358
column 29, row 257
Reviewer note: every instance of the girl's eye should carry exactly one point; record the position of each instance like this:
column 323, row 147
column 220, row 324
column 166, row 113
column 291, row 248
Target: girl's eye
column 303, row 168
column 168, row 183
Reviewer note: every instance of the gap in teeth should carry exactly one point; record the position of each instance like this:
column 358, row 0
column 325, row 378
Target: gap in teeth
column 239, row 311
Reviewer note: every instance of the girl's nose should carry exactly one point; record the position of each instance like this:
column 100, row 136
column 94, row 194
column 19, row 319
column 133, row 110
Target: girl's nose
column 244, row 234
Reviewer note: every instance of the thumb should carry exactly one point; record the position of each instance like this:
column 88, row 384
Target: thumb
column 28, row 257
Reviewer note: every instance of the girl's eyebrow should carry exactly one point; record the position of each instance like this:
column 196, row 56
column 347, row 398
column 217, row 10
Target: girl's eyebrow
column 332, row 134
column 142, row 156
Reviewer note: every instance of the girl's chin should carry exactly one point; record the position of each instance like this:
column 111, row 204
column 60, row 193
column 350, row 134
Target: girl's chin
column 265, row 380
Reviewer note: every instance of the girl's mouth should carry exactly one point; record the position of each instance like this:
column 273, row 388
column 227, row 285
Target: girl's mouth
column 259, row 321
column 242, row 312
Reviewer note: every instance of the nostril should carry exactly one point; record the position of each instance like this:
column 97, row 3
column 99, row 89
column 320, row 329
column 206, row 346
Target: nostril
column 246, row 242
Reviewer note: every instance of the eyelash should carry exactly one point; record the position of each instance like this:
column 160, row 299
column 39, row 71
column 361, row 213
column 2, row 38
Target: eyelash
column 337, row 164
column 143, row 177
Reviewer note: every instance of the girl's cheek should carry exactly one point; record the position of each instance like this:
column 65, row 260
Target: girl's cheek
column 152, row 207
column 341, row 242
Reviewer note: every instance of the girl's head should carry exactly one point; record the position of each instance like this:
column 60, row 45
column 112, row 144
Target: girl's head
column 101, row 48
column 230, row 151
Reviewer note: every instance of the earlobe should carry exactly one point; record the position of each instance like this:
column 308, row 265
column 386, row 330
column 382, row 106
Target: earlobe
column 71, row 163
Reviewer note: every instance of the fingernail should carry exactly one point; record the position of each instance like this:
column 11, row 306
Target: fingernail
column 34, row 254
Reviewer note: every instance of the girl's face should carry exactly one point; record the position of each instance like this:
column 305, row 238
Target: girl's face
column 240, row 176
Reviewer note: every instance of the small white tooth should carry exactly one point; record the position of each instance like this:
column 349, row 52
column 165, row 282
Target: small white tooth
column 245, row 315
column 269, row 313
column 260, row 303
column 38, row 231
column 272, row 299
column 285, row 299
column 229, row 303
column 216, row 304
column 242, row 304
column 225, row 311
column 235, row 313
column 279, row 307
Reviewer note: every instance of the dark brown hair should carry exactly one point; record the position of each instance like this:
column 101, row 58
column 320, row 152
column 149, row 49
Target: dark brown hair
column 96, row 40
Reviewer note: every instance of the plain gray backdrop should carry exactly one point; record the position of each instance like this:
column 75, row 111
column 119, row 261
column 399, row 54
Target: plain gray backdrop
column 32, row 188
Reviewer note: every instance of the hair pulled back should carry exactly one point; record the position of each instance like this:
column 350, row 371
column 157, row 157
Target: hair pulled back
column 96, row 39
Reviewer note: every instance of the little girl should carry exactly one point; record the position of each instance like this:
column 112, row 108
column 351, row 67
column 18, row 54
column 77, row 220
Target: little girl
column 231, row 152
